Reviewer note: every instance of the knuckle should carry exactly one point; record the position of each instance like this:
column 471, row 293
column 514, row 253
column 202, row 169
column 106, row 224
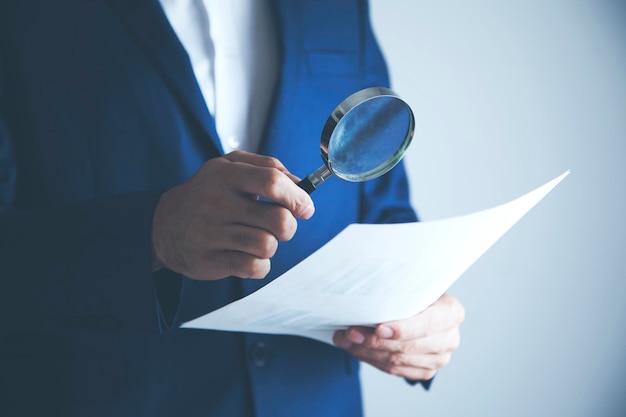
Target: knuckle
column 455, row 305
column 400, row 331
column 273, row 162
column 264, row 245
column 213, row 162
column 455, row 343
column 273, row 180
column 442, row 360
column 243, row 240
column 261, row 267
column 217, row 166
column 427, row 374
column 254, row 268
column 286, row 224
column 232, row 267
column 283, row 216
column 299, row 205
column 268, row 246
column 374, row 343
column 392, row 369
column 396, row 360
column 409, row 348
column 460, row 313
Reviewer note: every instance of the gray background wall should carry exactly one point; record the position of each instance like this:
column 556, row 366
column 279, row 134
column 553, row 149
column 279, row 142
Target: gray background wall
column 508, row 95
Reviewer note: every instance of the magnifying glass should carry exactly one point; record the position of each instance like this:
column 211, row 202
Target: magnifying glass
column 364, row 137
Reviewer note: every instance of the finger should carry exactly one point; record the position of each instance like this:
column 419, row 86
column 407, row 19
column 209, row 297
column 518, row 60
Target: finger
column 261, row 161
column 397, row 363
column 271, row 217
column 231, row 263
column 254, row 241
column 354, row 335
column 414, row 374
column 256, row 160
column 272, row 184
column 445, row 342
column 446, row 313
column 392, row 361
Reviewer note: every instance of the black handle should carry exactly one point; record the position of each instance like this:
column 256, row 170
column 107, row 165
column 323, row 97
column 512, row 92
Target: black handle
column 307, row 185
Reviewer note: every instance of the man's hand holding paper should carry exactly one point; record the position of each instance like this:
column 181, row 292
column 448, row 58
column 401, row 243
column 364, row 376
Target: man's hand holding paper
column 414, row 348
column 384, row 303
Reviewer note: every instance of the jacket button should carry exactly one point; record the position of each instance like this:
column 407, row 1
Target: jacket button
column 259, row 354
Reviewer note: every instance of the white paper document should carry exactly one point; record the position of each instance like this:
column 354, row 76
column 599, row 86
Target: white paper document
column 371, row 274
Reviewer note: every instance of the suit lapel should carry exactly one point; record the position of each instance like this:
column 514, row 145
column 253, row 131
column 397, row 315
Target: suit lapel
column 147, row 23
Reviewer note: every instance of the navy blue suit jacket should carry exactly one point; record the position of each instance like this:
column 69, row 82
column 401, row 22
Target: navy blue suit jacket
column 99, row 113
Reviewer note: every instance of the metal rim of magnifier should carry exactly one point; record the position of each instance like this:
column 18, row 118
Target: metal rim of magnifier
column 343, row 109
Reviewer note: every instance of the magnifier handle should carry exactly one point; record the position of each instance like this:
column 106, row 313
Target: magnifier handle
column 311, row 182
column 307, row 185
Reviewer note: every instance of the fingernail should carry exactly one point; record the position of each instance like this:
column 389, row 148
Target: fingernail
column 356, row 337
column 308, row 211
column 384, row 332
column 343, row 343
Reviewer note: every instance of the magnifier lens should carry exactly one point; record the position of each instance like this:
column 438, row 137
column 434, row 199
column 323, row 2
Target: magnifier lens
column 364, row 137
column 370, row 139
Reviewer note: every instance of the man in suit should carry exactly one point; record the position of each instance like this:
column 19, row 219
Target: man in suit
column 122, row 216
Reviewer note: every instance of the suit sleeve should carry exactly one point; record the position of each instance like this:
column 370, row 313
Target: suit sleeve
column 81, row 267
column 85, row 267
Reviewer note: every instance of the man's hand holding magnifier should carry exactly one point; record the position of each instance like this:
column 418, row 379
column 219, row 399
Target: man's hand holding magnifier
column 214, row 225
